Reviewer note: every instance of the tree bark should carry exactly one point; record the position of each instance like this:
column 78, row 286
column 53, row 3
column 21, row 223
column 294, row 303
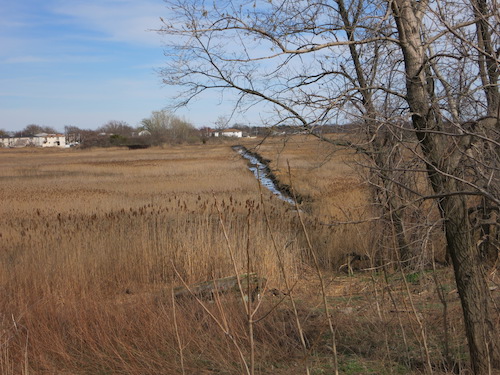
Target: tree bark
column 471, row 285
column 488, row 64
column 441, row 167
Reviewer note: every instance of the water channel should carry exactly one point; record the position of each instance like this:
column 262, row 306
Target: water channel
column 262, row 173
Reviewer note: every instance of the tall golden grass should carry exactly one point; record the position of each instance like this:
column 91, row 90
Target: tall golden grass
column 93, row 241
column 334, row 191
column 83, row 230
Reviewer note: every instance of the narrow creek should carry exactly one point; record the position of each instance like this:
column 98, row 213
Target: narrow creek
column 262, row 173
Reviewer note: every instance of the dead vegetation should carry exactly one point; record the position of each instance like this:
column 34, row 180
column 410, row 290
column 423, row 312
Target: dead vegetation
column 91, row 238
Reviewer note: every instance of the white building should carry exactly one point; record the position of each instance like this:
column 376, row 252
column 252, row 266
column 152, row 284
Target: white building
column 38, row 140
column 228, row 133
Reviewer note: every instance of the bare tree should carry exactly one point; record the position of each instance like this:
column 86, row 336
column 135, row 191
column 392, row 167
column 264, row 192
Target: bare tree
column 444, row 157
column 117, row 128
column 31, row 130
column 406, row 69
column 222, row 123
column 163, row 126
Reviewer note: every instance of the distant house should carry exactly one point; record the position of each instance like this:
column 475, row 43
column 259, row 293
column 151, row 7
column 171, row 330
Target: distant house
column 51, row 140
column 228, row 133
column 38, row 140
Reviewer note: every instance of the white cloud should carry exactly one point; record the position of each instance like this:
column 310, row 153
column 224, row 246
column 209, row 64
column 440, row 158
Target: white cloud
column 126, row 21
column 52, row 71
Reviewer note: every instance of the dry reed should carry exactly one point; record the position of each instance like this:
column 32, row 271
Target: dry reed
column 89, row 237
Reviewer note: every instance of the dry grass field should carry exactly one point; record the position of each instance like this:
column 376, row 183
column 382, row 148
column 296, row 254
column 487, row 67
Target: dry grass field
column 93, row 242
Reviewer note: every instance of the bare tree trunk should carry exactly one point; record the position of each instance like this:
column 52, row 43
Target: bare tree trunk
column 441, row 165
column 488, row 64
column 471, row 285
column 380, row 141
column 489, row 71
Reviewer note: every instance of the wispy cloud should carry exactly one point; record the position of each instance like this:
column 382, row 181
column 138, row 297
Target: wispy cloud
column 80, row 61
column 127, row 21
column 68, row 59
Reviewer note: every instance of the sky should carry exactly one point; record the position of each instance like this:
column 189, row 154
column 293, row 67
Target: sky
column 85, row 63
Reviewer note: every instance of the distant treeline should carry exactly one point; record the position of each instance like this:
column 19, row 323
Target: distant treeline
column 162, row 127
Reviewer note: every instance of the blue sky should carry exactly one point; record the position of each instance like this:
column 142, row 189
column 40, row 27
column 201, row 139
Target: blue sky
column 84, row 63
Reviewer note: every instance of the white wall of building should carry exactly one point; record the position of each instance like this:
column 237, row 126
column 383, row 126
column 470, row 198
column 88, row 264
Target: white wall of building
column 40, row 140
column 228, row 133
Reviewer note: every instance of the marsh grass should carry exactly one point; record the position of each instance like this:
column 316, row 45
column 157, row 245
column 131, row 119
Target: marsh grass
column 83, row 232
column 91, row 241
column 335, row 192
